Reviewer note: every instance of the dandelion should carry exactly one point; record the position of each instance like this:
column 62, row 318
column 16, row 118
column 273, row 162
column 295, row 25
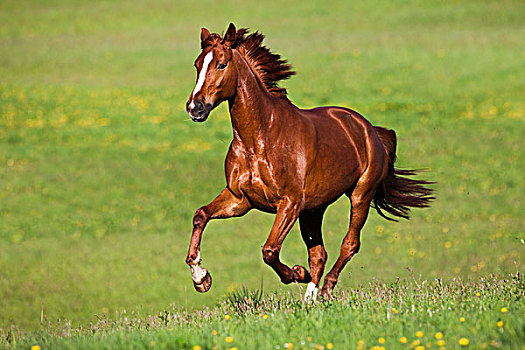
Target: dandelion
column 228, row 339
column 462, row 319
column 265, row 317
column 288, row 345
column 197, row 347
column 233, row 348
column 420, row 347
column 394, row 310
column 504, row 309
column 463, row 342
column 35, row 347
column 439, row 335
column 419, row 334
column 478, row 294
column 329, row 346
column 403, row 340
column 415, row 343
column 227, row 316
column 500, row 324
column 441, row 343
column 214, row 332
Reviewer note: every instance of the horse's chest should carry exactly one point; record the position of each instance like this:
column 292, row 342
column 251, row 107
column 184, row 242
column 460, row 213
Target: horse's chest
column 260, row 184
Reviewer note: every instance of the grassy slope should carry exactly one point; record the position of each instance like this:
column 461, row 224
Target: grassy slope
column 101, row 171
column 486, row 312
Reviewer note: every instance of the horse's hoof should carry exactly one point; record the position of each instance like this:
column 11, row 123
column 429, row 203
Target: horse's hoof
column 326, row 294
column 204, row 285
column 301, row 274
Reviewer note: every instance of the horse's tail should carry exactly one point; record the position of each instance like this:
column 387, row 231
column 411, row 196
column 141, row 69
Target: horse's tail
column 398, row 193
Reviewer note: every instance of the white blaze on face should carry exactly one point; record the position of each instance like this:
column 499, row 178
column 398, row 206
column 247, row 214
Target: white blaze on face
column 311, row 292
column 202, row 77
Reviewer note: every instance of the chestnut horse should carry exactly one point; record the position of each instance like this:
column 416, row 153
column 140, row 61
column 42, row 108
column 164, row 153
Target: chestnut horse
column 290, row 161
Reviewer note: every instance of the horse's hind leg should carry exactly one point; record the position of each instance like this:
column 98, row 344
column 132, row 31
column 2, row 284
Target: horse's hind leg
column 360, row 199
column 310, row 223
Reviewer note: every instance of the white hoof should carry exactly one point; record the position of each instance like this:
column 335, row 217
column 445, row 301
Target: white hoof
column 311, row 292
column 197, row 272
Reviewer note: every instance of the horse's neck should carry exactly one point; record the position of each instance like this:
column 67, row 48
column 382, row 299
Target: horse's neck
column 251, row 108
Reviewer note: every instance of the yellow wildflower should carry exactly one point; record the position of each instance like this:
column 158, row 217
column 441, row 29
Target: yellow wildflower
column 233, row 348
column 441, row 343
column 403, row 340
column 419, row 334
column 228, row 339
column 500, row 324
column 214, row 332
column 381, row 340
column 329, row 346
column 439, row 335
column 463, row 342
column 35, row 347
column 504, row 309
column 462, row 319
column 227, row 317
column 265, row 317
column 394, row 310
column 420, row 347
column 197, row 347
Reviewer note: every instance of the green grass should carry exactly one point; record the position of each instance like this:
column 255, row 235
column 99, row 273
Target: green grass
column 101, row 169
column 486, row 312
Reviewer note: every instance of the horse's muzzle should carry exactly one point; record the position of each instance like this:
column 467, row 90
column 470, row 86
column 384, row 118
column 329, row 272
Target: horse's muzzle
column 200, row 111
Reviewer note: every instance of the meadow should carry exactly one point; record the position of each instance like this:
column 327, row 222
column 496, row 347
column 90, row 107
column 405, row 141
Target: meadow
column 101, row 169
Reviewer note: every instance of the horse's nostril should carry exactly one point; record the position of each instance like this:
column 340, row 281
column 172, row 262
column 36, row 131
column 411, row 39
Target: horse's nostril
column 199, row 106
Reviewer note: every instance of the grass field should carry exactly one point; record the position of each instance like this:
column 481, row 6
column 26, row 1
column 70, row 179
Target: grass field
column 481, row 313
column 101, row 169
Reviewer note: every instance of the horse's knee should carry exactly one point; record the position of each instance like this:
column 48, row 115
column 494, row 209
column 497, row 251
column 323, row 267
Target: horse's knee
column 270, row 255
column 200, row 218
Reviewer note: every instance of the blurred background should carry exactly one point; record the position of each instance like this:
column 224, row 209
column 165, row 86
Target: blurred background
column 101, row 169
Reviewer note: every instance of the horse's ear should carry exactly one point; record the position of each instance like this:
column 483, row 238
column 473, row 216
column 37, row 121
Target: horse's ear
column 205, row 33
column 230, row 36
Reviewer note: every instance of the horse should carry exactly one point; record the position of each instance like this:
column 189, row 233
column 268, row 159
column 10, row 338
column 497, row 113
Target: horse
column 292, row 162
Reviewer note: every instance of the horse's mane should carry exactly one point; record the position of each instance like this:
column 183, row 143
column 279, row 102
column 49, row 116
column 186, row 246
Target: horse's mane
column 269, row 67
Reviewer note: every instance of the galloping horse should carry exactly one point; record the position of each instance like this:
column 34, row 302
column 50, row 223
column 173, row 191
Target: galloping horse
column 290, row 161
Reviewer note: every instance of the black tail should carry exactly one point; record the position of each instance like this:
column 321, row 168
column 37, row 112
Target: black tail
column 397, row 193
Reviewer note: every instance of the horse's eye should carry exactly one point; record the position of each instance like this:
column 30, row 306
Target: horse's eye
column 221, row 66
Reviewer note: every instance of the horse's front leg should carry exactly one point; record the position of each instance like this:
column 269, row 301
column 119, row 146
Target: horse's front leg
column 226, row 205
column 287, row 214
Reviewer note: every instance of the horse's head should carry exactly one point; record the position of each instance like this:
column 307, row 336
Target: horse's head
column 216, row 74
